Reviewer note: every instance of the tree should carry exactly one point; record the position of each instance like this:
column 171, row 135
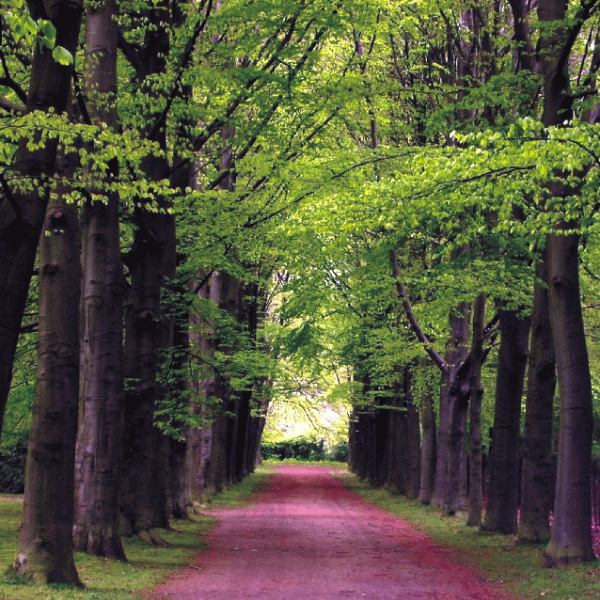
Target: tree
column 571, row 537
column 101, row 413
column 536, row 492
column 46, row 548
column 504, row 461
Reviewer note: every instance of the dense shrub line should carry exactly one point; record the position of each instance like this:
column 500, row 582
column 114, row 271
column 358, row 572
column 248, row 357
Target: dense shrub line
column 303, row 448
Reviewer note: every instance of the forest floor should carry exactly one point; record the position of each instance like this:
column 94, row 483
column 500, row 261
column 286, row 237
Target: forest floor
column 305, row 536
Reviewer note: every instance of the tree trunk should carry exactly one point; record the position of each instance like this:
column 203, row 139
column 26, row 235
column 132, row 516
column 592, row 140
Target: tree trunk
column 503, row 491
column 450, row 487
column 144, row 501
column 571, row 537
column 179, row 494
column 101, row 412
column 143, row 338
column 46, row 544
column 536, row 490
column 476, row 385
column 23, row 214
column 414, row 451
column 428, row 447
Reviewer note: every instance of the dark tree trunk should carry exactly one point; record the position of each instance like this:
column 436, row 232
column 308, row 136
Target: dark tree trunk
column 503, row 491
column 46, row 544
column 397, row 449
column 571, row 537
column 101, row 410
column 23, row 214
column 428, row 447
column 413, row 451
column 476, row 467
column 143, row 339
column 144, row 498
column 536, row 485
column 450, row 486
column 179, row 493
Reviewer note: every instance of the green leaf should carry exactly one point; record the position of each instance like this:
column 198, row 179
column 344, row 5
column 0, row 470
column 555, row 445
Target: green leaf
column 62, row 56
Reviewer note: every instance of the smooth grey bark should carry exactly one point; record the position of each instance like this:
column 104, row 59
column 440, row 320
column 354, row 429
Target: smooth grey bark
column 45, row 552
column 101, row 412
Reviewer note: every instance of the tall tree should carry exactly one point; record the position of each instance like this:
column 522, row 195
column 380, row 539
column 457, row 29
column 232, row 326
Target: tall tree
column 101, row 412
column 571, row 537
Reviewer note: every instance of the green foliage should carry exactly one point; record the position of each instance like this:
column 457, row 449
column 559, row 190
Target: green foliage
column 18, row 414
column 303, row 449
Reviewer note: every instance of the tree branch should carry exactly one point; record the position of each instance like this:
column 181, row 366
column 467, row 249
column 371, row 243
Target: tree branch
column 440, row 363
column 7, row 104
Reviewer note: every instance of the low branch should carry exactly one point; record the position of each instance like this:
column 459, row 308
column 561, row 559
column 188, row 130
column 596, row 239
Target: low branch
column 7, row 104
column 417, row 329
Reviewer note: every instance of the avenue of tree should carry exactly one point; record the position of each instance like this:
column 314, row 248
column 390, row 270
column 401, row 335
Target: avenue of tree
column 206, row 205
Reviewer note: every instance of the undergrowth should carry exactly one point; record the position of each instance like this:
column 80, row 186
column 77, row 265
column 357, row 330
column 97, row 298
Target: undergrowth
column 104, row 579
column 518, row 569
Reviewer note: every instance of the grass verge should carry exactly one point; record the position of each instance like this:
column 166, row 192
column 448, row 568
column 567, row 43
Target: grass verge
column 147, row 565
column 518, row 569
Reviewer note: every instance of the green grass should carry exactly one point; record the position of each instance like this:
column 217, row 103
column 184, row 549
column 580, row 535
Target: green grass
column 519, row 569
column 147, row 565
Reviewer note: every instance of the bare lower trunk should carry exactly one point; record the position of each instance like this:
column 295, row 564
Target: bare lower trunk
column 450, row 484
column 46, row 546
column 571, row 537
column 428, row 448
column 476, row 473
column 501, row 514
column 414, row 451
column 140, row 484
column 180, row 477
column 100, row 436
column 536, row 491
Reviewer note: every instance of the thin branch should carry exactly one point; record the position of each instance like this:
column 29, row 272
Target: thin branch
column 441, row 364
column 7, row 104
column 187, row 55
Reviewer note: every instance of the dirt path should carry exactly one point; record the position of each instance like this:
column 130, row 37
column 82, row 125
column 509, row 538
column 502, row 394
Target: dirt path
column 308, row 538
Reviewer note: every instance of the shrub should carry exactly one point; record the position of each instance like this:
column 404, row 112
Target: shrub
column 12, row 469
column 303, row 448
column 339, row 452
